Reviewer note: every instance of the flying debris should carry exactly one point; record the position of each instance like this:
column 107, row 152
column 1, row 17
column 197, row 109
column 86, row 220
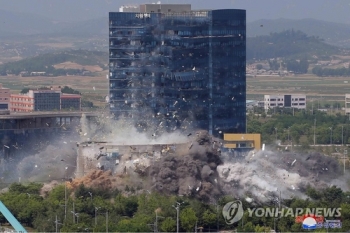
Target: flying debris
column 307, row 158
column 100, row 155
column 190, row 146
column 189, row 134
column 293, row 162
column 65, row 142
column 194, row 68
column 6, row 146
column 175, row 103
column 199, row 186
column 94, row 88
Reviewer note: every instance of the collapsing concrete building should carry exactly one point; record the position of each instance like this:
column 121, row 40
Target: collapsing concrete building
column 175, row 67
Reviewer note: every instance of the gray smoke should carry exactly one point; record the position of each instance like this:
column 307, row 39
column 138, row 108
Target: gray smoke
column 191, row 171
column 40, row 160
column 266, row 174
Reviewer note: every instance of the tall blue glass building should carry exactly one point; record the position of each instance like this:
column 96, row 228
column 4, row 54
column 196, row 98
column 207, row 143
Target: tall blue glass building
column 176, row 67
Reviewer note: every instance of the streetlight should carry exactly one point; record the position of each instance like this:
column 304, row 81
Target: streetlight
column 331, row 135
column 177, row 207
column 276, row 133
column 77, row 215
column 90, row 195
column 96, row 209
column 156, row 223
column 57, row 223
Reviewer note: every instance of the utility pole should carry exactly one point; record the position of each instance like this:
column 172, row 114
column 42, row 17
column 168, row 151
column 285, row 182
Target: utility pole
column 65, row 199
column 342, row 135
column 73, row 212
column 56, row 224
column 217, row 216
column 345, row 153
column 107, row 221
column 314, row 132
column 96, row 209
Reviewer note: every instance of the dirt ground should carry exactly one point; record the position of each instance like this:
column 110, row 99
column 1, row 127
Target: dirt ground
column 72, row 65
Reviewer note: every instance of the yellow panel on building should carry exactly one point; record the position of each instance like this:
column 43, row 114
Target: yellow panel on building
column 242, row 141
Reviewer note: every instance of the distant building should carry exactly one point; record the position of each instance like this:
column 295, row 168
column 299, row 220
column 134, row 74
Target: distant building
column 44, row 100
column 347, row 103
column 37, row 73
column 4, row 97
column 70, row 101
column 285, row 101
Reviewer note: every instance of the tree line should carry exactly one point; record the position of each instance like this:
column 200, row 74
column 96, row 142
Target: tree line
column 301, row 127
column 319, row 71
column 132, row 210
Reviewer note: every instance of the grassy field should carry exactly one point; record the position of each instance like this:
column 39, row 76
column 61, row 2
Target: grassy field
column 325, row 89
column 317, row 88
column 84, row 84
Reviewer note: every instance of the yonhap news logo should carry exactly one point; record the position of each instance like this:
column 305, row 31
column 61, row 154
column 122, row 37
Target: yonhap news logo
column 232, row 212
column 311, row 218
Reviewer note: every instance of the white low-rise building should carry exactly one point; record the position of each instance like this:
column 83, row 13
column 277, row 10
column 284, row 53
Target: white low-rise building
column 285, row 101
column 347, row 103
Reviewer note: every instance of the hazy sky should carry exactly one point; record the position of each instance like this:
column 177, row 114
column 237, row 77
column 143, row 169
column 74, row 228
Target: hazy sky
column 77, row 10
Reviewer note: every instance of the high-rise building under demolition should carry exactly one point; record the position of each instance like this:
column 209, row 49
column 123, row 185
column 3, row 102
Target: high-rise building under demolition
column 176, row 66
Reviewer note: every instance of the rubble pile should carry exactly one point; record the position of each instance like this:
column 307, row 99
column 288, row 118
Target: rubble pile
column 96, row 179
column 189, row 173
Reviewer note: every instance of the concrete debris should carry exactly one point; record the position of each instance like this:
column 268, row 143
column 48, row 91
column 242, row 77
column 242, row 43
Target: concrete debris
column 293, row 162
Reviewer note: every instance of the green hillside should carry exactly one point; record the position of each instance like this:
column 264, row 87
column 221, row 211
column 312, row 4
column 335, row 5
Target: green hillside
column 288, row 44
column 46, row 62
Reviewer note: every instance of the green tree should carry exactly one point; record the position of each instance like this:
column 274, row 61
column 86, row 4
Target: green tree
column 259, row 66
column 188, row 219
column 24, row 90
column 209, row 219
column 168, row 225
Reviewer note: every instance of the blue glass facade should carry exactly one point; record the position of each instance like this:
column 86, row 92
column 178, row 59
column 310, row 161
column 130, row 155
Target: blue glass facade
column 179, row 69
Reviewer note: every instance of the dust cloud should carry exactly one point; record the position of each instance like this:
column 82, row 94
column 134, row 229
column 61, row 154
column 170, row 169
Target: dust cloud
column 265, row 175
